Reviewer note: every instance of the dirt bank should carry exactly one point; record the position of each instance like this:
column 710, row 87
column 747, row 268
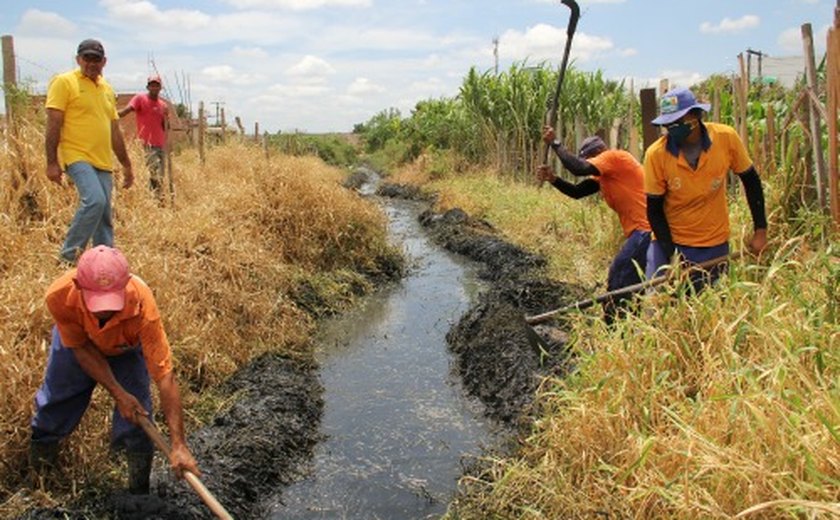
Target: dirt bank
column 498, row 361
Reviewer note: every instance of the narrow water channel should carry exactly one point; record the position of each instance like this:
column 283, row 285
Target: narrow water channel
column 396, row 421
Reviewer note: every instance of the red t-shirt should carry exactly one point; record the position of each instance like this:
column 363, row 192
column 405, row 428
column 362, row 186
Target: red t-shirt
column 622, row 183
column 150, row 115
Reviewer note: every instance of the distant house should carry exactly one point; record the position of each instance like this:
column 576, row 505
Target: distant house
column 784, row 70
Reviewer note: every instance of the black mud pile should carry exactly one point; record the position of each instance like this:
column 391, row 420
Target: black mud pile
column 402, row 191
column 357, row 178
column 499, row 361
column 261, row 443
column 499, row 358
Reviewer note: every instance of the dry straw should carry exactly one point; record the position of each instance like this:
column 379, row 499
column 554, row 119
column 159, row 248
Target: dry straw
column 248, row 240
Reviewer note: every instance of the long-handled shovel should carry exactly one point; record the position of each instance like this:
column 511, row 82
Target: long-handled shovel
column 574, row 16
column 191, row 478
column 630, row 289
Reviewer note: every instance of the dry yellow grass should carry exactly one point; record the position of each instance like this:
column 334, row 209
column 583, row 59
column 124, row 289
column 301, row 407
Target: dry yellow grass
column 248, row 239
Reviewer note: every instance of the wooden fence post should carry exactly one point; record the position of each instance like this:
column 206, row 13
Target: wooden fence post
column 633, row 137
column 201, row 130
column 741, row 88
column 815, row 121
column 224, row 127
column 770, row 142
column 265, row 145
column 833, row 117
column 9, row 74
column 650, row 133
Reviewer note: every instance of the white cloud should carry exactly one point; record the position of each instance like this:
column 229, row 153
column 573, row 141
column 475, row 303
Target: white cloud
column 194, row 28
column 297, row 91
column 790, row 40
column 298, row 5
column 681, row 78
column 36, row 22
column 311, row 66
column 728, row 25
column 142, row 13
column 229, row 76
column 546, row 42
column 584, row 2
column 249, row 53
column 363, row 87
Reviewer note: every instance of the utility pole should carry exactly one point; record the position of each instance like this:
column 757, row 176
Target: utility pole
column 750, row 54
column 218, row 105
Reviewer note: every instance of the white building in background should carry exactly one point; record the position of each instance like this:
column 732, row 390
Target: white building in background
column 785, row 70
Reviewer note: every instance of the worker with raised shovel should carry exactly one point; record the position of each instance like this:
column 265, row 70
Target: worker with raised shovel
column 619, row 177
column 107, row 331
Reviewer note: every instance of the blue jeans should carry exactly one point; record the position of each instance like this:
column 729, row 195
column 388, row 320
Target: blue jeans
column 694, row 255
column 156, row 163
column 92, row 220
column 64, row 396
column 626, row 269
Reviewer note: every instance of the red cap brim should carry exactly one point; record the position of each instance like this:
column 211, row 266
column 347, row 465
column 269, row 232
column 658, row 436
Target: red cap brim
column 97, row 301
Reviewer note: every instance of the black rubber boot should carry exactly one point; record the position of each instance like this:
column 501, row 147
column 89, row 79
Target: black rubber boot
column 139, row 470
column 43, row 456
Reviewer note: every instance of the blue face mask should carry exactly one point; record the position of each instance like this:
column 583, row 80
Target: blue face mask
column 679, row 132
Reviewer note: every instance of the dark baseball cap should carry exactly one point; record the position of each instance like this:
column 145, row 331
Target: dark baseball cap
column 91, row 47
column 591, row 146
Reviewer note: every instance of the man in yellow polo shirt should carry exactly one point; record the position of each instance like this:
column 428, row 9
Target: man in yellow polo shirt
column 107, row 331
column 82, row 129
column 685, row 182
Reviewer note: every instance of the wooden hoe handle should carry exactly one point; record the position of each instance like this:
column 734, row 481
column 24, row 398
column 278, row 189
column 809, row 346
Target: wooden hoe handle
column 194, row 482
column 653, row 282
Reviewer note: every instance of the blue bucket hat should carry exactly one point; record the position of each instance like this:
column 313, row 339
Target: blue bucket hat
column 677, row 103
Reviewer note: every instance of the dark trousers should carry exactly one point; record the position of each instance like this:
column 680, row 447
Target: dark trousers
column 63, row 397
column 627, row 268
column 693, row 255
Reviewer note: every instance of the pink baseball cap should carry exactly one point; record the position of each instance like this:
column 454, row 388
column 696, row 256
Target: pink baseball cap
column 102, row 274
column 154, row 78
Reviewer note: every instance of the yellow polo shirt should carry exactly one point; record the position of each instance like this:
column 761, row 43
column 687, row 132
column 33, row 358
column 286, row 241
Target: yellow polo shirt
column 89, row 108
column 695, row 200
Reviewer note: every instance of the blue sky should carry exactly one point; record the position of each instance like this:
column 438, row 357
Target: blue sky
column 324, row 65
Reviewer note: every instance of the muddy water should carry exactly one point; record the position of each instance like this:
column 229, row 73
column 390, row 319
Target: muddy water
column 396, row 421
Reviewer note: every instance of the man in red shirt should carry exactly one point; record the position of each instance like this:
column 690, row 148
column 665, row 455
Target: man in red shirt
column 107, row 331
column 619, row 177
column 151, row 113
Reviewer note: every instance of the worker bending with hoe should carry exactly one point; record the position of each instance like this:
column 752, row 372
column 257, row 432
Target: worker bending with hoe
column 107, row 331
column 620, row 179
column 685, row 179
